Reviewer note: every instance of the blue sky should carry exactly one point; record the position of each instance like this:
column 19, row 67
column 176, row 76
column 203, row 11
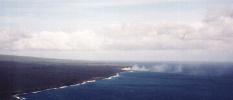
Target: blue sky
column 53, row 13
column 150, row 30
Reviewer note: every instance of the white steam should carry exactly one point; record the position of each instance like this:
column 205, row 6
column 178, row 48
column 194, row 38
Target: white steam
column 159, row 68
column 192, row 69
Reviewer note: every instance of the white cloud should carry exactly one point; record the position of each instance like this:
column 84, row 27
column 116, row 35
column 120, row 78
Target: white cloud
column 215, row 33
column 218, row 28
column 79, row 40
column 149, row 37
column 9, row 36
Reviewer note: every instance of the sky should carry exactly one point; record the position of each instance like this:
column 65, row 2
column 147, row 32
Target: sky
column 118, row 30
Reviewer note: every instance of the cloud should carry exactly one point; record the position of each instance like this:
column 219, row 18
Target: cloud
column 134, row 2
column 9, row 36
column 216, row 32
column 45, row 40
column 151, row 37
column 218, row 28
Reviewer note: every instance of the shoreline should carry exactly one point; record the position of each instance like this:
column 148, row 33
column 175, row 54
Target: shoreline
column 25, row 74
column 124, row 69
column 15, row 95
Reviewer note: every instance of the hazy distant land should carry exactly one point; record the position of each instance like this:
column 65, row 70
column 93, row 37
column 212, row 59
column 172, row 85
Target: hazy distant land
column 28, row 74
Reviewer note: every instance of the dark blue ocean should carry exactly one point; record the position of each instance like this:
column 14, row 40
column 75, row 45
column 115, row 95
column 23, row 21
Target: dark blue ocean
column 153, row 82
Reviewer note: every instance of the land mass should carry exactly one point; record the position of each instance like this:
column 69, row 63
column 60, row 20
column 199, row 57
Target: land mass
column 27, row 74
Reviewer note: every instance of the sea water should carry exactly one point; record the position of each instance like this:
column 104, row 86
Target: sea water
column 158, row 82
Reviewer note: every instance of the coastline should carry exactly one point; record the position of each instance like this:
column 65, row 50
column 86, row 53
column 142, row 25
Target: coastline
column 20, row 75
column 123, row 69
column 57, row 83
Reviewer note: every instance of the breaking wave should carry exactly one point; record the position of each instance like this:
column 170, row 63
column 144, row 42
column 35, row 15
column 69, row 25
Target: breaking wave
column 19, row 97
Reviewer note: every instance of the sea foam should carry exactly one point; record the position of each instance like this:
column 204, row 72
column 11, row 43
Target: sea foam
column 18, row 97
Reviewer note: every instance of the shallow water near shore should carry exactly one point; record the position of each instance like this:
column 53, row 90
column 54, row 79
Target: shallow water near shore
column 146, row 85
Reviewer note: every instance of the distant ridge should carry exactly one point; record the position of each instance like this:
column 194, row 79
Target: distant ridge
column 17, row 58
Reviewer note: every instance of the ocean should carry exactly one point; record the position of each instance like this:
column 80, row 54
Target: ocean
column 151, row 81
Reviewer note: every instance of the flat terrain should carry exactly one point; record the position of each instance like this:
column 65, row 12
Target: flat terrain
column 27, row 74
